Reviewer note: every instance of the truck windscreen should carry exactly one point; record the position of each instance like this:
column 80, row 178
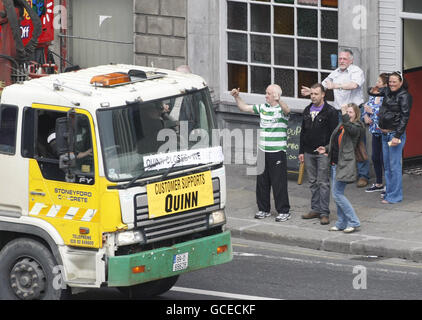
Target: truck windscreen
column 134, row 136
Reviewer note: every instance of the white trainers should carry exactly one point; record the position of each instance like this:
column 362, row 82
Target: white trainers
column 335, row 229
column 262, row 215
column 283, row 217
column 349, row 229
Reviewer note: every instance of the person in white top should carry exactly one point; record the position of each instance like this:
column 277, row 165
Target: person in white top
column 347, row 83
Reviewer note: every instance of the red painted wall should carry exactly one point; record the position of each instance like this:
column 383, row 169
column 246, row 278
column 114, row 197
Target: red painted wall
column 413, row 146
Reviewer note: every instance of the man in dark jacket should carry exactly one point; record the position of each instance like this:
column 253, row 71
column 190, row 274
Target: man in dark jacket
column 319, row 121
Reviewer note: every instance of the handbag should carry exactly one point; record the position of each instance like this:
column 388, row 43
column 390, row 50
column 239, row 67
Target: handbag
column 360, row 152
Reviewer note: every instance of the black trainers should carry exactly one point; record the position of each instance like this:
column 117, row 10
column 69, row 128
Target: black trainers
column 374, row 188
column 262, row 215
column 283, row 217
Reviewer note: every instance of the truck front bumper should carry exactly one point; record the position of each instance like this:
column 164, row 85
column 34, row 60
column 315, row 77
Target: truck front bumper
column 169, row 261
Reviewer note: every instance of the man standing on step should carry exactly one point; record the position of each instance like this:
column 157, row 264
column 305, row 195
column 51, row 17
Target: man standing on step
column 319, row 121
column 272, row 146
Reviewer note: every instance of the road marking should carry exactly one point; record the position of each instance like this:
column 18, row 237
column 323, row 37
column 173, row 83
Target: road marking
column 293, row 251
column 332, row 264
column 332, row 257
column 392, row 264
column 220, row 294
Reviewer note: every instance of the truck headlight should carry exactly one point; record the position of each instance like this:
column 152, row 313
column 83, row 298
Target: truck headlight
column 217, row 217
column 129, row 237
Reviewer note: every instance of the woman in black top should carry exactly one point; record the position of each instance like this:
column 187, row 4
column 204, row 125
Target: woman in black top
column 393, row 118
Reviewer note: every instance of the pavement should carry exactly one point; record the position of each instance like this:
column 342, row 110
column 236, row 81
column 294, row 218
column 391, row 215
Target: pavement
column 387, row 230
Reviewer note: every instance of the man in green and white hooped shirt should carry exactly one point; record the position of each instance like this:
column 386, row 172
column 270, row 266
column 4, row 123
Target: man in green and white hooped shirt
column 274, row 115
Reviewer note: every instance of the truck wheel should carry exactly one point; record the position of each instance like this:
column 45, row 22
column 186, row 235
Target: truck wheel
column 149, row 289
column 26, row 272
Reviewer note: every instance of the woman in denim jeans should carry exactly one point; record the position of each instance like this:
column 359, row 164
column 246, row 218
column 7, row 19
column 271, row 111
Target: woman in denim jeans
column 341, row 152
column 370, row 117
column 393, row 118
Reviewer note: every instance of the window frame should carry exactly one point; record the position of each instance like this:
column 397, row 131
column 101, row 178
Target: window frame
column 14, row 146
column 252, row 98
column 32, row 141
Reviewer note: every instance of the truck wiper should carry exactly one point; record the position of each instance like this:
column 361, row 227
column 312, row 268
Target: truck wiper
column 131, row 182
column 141, row 175
column 165, row 174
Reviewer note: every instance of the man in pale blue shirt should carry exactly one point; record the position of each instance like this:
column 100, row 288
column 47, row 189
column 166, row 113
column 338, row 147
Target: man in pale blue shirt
column 347, row 83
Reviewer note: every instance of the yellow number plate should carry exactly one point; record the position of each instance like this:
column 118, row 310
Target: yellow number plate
column 180, row 194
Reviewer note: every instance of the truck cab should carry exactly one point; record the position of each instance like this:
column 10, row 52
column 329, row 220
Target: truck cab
column 111, row 176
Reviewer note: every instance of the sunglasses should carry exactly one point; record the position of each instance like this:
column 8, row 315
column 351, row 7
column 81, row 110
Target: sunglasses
column 398, row 73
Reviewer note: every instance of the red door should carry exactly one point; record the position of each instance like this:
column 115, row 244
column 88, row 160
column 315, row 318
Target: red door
column 413, row 146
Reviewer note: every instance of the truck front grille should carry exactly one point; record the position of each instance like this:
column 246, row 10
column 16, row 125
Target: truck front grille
column 176, row 224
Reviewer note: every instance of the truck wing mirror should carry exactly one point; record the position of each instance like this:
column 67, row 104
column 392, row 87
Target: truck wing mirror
column 65, row 140
column 62, row 135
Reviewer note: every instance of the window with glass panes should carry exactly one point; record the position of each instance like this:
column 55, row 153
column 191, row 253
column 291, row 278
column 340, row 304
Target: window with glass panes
column 288, row 42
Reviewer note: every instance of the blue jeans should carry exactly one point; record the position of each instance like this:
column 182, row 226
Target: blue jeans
column 393, row 168
column 346, row 215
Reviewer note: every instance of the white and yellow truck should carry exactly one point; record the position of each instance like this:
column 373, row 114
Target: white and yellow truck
column 108, row 177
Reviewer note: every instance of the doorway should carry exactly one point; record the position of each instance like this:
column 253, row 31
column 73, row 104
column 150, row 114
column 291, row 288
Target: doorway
column 412, row 69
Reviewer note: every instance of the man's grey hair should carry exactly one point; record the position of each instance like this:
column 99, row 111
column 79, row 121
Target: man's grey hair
column 349, row 51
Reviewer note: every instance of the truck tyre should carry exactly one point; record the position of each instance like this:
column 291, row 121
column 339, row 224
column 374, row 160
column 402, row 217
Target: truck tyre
column 27, row 272
column 149, row 289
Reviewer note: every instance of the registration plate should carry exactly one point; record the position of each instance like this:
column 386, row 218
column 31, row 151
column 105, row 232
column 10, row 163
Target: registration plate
column 180, row 261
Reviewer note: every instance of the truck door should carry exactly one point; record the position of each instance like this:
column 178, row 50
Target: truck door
column 67, row 200
column 13, row 168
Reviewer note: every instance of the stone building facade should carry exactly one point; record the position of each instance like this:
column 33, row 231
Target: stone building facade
column 160, row 33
